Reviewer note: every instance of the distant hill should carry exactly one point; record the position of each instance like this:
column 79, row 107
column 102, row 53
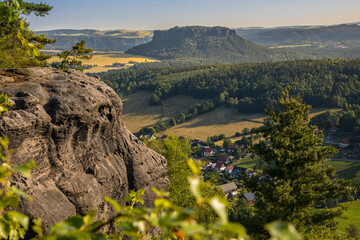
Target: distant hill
column 218, row 43
column 348, row 34
column 112, row 40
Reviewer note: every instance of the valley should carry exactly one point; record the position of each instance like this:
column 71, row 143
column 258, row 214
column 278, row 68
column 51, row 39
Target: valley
column 179, row 124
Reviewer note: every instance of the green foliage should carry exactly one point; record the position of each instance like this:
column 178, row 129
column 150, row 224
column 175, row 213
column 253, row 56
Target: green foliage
column 227, row 142
column 154, row 100
column 13, row 225
column 19, row 47
column 356, row 183
column 296, row 176
column 70, row 58
column 326, row 120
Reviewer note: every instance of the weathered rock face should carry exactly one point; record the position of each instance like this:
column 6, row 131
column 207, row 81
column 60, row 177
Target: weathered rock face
column 70, row 125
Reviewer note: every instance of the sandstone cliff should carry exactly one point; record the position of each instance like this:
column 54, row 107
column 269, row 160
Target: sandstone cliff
column 70, row 124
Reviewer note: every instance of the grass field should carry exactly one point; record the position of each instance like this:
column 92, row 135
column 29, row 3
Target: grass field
column 352, row 215
column 108, row 59
column 247, row 162
column 222, row 121
column 137, row 113
column 345, row 169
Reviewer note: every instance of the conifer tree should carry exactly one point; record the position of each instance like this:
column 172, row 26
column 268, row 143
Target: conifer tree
column 18, row 45
column 296, row 177
column 72, row 58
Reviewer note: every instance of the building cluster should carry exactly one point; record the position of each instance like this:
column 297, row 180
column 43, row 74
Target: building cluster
column 220, row 159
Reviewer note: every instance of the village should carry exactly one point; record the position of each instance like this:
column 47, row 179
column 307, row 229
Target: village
column 223, row 165
column 219, row 165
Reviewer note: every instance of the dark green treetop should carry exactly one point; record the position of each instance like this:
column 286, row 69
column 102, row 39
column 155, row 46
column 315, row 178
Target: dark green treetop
column 296, row 177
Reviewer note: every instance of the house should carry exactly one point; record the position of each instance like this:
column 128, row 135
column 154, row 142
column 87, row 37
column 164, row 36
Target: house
column 232, row 147
column 345, row 143
column 238, row 170
column 149, row 137
column 220, row 166
column 207, row 151
column 224, row 158
column 251, row 174
column 229, row 169
column 249, row 197
column 229, row 188
column 232, row 158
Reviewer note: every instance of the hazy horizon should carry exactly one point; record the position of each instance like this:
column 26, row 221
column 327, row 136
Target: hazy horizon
column 164, row 14
column 89, row 28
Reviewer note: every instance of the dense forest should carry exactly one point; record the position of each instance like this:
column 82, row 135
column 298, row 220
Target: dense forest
column 250, row 87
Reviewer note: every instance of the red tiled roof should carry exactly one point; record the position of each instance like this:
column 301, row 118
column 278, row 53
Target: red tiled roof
column 223, row 157
column 208, row 150
column 232, row 146
column 219, row 165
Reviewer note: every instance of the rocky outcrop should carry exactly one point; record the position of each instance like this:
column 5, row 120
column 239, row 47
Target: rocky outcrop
column 70, row 124
column 193, row 32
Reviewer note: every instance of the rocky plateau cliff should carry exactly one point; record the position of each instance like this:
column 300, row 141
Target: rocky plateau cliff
column 70, row 124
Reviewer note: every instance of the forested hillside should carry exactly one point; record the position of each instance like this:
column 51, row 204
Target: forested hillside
column 250, row 87
column 294, row 35
column 217, row 43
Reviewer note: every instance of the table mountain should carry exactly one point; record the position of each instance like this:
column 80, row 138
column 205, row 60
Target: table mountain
column 218, row 43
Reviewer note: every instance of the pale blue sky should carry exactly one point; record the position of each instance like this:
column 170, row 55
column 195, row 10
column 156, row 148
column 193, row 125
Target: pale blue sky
column 164, row 14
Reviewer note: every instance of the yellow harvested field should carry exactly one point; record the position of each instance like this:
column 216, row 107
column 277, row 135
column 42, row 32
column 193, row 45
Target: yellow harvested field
column 138, row 113
column 222, row 121
column 102, row 60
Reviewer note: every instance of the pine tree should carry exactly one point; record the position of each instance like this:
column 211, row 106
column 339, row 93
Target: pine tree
column 297, row 178
column 18, row 45
column 72, row 58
